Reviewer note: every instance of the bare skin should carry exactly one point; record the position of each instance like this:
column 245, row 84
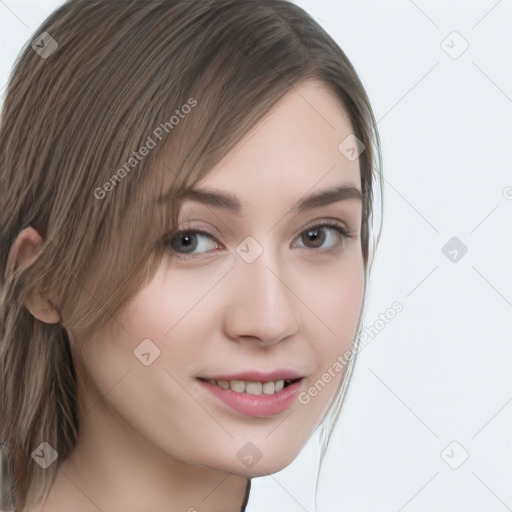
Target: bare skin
column 151, row 437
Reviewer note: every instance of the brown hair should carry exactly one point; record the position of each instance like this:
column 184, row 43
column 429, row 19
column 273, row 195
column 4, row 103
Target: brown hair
column 71, row 122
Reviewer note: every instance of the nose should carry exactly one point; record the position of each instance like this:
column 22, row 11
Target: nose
column 261, row 306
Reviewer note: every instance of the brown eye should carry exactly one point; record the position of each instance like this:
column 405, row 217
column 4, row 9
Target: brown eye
column 323, row 237
column 314, row 238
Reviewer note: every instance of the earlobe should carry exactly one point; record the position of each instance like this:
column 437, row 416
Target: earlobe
column 24, row 250
column 43, row 309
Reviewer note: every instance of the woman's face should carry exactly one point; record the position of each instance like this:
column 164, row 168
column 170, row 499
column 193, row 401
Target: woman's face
column 263, row 288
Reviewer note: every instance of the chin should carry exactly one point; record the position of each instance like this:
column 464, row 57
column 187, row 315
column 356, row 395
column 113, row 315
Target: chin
column 268, row 468
column 260, row 465
column 268, row 465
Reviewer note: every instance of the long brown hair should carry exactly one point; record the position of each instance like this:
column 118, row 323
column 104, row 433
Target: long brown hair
column 100, row 80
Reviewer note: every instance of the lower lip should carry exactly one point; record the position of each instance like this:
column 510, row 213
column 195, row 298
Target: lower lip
column 256, row 405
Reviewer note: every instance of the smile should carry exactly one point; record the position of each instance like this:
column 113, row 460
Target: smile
column 253, row 398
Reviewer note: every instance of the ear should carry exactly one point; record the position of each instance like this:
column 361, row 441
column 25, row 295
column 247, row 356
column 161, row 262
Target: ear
column 24, row 250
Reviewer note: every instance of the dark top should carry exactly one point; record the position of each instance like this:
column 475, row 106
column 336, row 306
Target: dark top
column 244, row 504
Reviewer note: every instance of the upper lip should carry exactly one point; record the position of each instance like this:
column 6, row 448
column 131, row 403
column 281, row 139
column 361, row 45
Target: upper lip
column 258, row 376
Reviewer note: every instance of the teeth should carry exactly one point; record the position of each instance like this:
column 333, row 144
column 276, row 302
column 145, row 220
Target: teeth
column 251, row 388
column 237, row 385
column 254, row 388
column 268, row 388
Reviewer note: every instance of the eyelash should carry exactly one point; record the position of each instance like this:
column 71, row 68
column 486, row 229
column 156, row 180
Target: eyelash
column 334, row 225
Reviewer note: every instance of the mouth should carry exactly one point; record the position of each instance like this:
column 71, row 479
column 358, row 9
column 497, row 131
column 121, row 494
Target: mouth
column 254, row 394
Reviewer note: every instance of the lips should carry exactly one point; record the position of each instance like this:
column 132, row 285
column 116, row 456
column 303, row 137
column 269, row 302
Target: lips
column 255, row 393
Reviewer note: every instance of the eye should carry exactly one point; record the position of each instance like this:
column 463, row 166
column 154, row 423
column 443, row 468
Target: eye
column 191, row 242
column 323, row 237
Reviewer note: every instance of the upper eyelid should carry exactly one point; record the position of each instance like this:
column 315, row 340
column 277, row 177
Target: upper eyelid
column 320, row 222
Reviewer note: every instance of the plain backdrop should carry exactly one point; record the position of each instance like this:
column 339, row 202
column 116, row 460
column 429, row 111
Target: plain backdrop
column 427, row 421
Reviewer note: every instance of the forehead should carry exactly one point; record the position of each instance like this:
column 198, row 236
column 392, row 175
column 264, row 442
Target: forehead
column 295, row 146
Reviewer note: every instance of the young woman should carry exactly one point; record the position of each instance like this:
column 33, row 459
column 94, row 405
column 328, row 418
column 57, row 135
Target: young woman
column 186, row 236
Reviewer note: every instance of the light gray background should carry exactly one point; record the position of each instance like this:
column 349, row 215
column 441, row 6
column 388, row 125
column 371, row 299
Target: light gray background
column 441, row 370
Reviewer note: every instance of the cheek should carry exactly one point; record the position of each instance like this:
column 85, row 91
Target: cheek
column 170, row 312
column 346, row 304
column 334, row 294
column 336, row 299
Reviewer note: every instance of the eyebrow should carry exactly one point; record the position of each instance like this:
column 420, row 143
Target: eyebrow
column 230, row 202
